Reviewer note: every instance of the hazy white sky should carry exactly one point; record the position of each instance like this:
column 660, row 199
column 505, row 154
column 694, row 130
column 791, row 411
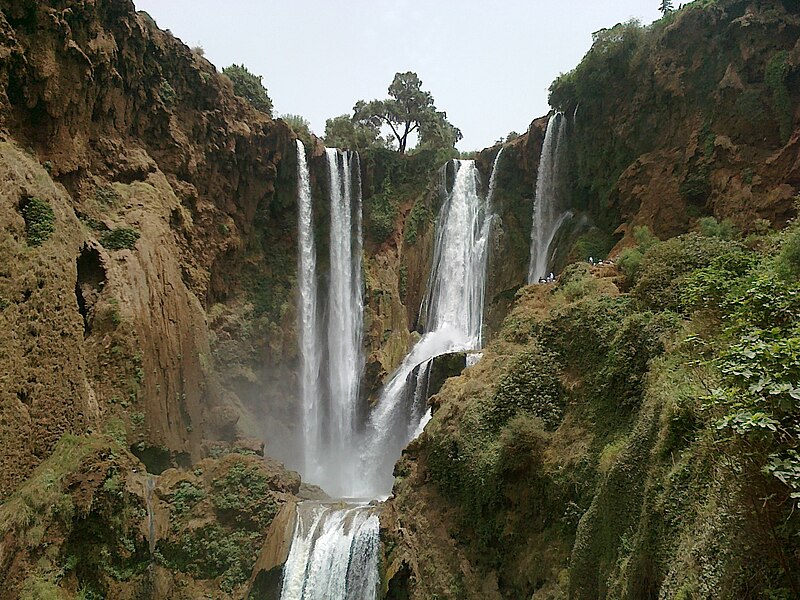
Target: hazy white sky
column 487, row 64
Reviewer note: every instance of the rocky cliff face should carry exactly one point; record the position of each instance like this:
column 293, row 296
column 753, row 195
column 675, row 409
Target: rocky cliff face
column 693, row 116
column 162, row 184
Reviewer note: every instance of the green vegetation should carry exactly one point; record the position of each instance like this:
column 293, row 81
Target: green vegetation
column 348, row 134
column 248, row 86
column 420, row 217
column 301, row 128
column 120, row 238
column 243, row 504
column 409, row 109
column 39, row 221
column 775, row 77
column 652, row 449
column 380, row 212
column 106, row 194
column 631, row 258
column 167, row 93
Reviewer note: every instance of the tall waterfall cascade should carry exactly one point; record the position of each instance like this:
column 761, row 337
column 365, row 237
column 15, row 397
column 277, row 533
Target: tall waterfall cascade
column 335, row 546
column 330, row 347
column 454, row 320
column 548, row 212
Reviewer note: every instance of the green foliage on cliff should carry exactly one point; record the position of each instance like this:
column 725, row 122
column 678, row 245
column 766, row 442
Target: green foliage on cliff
column 39, row 221
column 420, row 217
column 775, row 77
column 301, row 128
column 249, row 86
column 673, row 465
column 120, row 238
column 381, row 212
column 345, row 133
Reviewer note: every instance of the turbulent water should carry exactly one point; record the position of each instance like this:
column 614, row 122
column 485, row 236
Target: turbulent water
column 331, row 339
column 310, row 348
column 548, row 212
column 454, row 321
column 335, row 546
column 345, row 322
column 334, row 554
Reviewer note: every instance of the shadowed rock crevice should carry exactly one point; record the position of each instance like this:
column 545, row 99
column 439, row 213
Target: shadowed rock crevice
column 89, row 285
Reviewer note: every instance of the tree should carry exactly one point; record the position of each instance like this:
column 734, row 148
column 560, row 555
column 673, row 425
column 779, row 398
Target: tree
column 343, row 132
column 666, row 6
column 300, row 126
column 408, row 109
column 249, row 86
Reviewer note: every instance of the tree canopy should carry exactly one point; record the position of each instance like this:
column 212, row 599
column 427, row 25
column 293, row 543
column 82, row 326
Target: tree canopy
column 248, row 85
column 409, row 108
column 665, row 7
column 343, row 132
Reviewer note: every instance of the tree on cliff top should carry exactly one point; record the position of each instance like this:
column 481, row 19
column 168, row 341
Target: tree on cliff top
column 248, row 85
column 409, row 109
column 343, row 132
column 666, row 6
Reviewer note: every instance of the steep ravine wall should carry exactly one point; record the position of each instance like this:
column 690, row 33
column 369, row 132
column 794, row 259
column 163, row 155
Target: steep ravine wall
column 117, row 124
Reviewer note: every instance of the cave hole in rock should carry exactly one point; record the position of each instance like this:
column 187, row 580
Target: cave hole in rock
column 89, row 285
column 156, row 459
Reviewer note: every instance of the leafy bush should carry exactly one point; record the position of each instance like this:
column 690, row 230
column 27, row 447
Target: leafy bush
column 244, row 494
column 530, row 386
column 631, row 258
column 39, row 221
column 665, row 267
column 710, row 227
column 418, row 219
column 787, row 264
column 106, row 194
column 301, row 128
column 185, row 496
column 248, row 86
column 120, row 238
column 381, row 212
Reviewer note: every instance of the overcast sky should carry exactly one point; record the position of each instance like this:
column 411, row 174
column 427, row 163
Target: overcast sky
column 487, row 64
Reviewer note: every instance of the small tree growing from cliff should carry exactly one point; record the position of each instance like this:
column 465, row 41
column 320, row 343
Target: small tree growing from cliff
column 666, row 6
column 248, row 85
column 408, row 109
column 343, row 132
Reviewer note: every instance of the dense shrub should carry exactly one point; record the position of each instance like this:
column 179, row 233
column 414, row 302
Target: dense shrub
column 381, row 212
column 39, row 221
column 418, row 220
column 665, row 267
column 249, row 86
column 530, row 386
column 120, row 238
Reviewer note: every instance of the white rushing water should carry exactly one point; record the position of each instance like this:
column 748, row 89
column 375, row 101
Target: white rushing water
column 345, row 323
column 548, row 213
column 334, row 554
column 310, row 348
column 335, row 546
column 454, row 321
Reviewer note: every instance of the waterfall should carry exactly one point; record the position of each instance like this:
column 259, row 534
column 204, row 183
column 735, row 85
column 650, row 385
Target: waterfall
column 334, row 553
column 454, row 320
column 345, row 320
column 310, row 347
column 548, row 215
column 335, row 547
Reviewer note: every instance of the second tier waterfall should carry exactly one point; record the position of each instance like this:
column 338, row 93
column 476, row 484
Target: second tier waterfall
column 335, row 546
column 548, row 211
column 454, row 319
